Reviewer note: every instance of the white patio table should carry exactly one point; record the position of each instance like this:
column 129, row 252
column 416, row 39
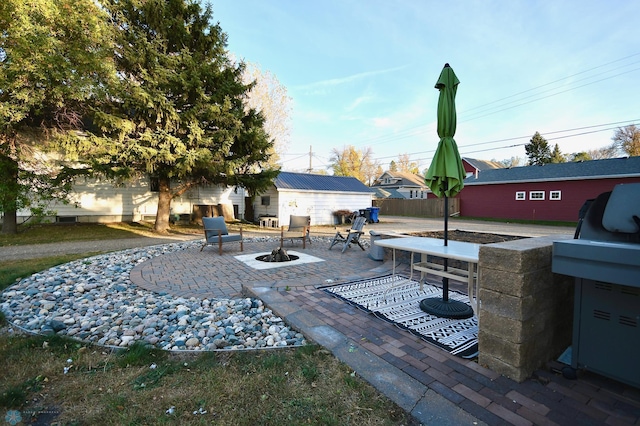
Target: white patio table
column 456, row 250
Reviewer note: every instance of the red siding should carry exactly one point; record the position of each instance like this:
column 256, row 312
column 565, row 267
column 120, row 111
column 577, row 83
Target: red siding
column 499, row 200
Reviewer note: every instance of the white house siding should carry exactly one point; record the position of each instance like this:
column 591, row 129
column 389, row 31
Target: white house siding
column 319, row 205
column 104, row 201
column 271, row 209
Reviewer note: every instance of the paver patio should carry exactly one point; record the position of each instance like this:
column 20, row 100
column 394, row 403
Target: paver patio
column 436, row 387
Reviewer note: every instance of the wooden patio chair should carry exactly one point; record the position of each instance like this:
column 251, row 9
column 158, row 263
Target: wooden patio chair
column 215, row 232
column 353, row 235
column 299, row 228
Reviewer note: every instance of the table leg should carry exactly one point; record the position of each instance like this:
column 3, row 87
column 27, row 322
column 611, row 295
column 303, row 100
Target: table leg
column 393, row 259
column 470, row 287
column 411, row 268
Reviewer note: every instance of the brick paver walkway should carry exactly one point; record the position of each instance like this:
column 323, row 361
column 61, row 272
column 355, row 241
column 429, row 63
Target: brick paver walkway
column 434, row 386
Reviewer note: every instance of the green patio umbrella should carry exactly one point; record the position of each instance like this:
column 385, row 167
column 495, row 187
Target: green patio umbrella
column 445, row 179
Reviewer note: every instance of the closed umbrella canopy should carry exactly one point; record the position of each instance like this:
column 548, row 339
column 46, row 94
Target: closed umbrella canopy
column 445, row 179
column 446, row 174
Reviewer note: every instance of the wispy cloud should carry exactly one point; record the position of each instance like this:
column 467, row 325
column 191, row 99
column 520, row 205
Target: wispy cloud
column 360, row 100
column 322, row 85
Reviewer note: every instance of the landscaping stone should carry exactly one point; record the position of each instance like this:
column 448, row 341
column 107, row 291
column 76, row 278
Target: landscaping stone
column 95, row 300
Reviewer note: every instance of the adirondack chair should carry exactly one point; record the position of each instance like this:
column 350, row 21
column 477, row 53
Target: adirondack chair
column 215, row 232
column 299, row 227
column 353, row 235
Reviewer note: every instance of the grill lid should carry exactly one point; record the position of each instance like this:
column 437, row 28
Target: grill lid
column 622, row 213
column 613, row 216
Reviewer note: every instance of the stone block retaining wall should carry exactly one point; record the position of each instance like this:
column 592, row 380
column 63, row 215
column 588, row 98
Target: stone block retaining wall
column 526, row 311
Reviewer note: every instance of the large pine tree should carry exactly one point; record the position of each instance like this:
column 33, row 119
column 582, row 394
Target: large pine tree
column 178, row 114
column 54, row 57
column 538, row 150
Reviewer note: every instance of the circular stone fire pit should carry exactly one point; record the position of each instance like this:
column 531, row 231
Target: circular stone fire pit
column 277, row 255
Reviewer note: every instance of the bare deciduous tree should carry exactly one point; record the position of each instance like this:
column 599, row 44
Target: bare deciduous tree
column 627, row 140
column 270, row 97
column 406, row 165
column 354, row 162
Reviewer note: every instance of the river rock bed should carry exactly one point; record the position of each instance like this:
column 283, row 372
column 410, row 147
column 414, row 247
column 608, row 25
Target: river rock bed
column 94, row 300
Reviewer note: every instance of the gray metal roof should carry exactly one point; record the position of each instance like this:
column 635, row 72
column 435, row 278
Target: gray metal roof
column 310, row 182
column 596, row 169
column 405, row 179
column 387, row 193
column 483, row 164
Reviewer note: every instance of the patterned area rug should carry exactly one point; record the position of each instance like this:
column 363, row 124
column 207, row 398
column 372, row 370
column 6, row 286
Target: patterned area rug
column 401, row 306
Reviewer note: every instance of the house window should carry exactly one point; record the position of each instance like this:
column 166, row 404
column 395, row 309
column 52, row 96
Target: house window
column 521, row 195
column 555, row 195
column 421, row 194
column 265, row 200
column 154, row 184
column 536, row 195
column 411, row 193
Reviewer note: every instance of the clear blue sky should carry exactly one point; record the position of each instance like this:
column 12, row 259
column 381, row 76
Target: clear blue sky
column 362, row 72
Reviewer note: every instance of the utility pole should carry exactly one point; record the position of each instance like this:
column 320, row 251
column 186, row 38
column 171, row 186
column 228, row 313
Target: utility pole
column 310, row 157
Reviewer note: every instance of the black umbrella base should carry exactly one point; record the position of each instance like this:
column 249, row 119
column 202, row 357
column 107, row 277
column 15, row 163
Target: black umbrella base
column 450, row 309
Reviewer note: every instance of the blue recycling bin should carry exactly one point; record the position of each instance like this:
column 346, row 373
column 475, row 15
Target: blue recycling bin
column 373, row 214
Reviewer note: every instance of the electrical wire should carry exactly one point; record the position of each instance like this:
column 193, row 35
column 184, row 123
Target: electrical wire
column 486, row 109
column 411, row 131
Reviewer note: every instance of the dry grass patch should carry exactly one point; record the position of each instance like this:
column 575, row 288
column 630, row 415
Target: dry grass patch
column 92, row 385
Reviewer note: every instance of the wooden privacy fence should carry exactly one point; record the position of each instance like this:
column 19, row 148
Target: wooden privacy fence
column 431, row 207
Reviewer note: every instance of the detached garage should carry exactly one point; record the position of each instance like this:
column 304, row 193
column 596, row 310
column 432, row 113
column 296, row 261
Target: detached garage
column 318, row 196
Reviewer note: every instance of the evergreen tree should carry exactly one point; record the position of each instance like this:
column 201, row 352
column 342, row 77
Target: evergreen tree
column 538, row 150
column 54, row 56
column 557, row 156
column 581, row 156
column 178, row 113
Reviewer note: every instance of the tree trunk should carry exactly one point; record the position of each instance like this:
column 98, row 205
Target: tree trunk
column 10, row 222
column 249, row 212
column 9, row 188
column 164, row 206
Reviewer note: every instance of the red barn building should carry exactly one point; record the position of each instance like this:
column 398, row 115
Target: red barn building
column 548, row 192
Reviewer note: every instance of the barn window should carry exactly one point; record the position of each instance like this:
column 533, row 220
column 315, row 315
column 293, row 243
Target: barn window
column 265, row 200
column 521, row 195
column 536, row 195
column 555, row 195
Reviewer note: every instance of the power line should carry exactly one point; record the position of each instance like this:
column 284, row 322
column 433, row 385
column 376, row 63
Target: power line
column 411, row 131
column 555, row 81
column 297, row 158
column 614, row 125
column 548, row 96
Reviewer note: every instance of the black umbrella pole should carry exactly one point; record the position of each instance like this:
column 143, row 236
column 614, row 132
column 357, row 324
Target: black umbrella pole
column 445, row 280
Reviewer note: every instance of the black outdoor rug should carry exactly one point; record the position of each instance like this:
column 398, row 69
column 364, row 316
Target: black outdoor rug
column 402, row 307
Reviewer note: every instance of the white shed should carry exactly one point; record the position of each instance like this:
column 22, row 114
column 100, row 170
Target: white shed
column 318, row 196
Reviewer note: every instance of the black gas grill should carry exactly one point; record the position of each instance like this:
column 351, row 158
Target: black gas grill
column 605, row 259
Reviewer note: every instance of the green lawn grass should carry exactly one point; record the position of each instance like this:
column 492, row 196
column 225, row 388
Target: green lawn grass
column 54, row 233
